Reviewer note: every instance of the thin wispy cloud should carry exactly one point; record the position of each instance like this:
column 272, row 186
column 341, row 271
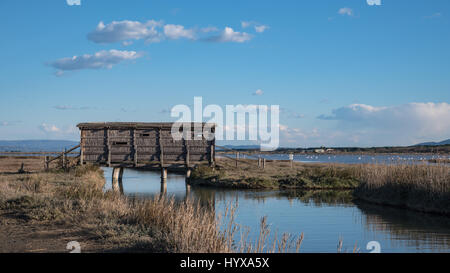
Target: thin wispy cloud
column 209, row 29
column 8, row 123
column 373, row 2
column 345, row 11
column 434, row 15
column 100, row 60
column 73, row 2
column 260, row 28
column 258, row 92
column 49, row 128
column 229, row 35
column 68, row 107
column 288, row 113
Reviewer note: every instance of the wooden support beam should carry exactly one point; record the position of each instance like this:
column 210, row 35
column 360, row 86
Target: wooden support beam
column 211, row 156
column 108, row 145
column 135, row 157
column 187, row 156
column 161, row 149
column 81, row 154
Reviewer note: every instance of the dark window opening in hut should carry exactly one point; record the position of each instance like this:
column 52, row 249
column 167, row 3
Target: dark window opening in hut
column 145, row 135
column 120, row 143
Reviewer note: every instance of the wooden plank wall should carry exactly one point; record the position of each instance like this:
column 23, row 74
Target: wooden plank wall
column 141, row 146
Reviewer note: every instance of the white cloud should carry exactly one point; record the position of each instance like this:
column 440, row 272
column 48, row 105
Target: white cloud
column 127, row 43
column 178, row 31
column 246, row 24
column 258, row 92
column 101, row 59
column 52, row 131
column 73, row 2
column 152, row 31
column 394, row 125
column 118, row 31
column 229, row 35
column 260, row 28
column 374, row 2
column 346, row 11
column 49, row 128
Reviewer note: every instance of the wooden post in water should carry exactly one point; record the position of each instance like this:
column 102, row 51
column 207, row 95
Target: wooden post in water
column 121, row 180
column 163, row 175
column 115, row 179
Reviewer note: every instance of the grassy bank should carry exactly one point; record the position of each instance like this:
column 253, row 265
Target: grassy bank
column 424, row 188
column 275, row 175
column 44, row 211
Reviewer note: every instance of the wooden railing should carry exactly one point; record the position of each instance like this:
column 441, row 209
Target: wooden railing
column 63, row 156
column 261, row 160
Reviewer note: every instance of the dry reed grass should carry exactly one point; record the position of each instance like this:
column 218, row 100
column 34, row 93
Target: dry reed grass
column 421, row 187
column 154, row 225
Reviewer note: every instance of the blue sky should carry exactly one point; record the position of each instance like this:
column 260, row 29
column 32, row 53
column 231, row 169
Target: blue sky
column 344, row 73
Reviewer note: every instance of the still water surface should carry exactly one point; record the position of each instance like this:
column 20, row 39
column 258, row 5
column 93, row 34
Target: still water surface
column 323, row 217
column 355, row 158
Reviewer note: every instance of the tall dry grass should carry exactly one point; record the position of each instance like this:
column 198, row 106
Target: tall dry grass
column 77, row 199
column 421, row 187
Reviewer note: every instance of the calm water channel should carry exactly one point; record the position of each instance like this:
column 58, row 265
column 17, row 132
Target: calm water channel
column 323, row 217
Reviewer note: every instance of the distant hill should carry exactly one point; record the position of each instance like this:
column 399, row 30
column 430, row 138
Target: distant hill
column 35, row 145
column 445, row 142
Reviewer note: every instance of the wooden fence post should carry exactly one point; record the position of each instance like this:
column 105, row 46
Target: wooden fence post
column 264, row 163
column 237, row 159
column 64, row 159
column 46, row 162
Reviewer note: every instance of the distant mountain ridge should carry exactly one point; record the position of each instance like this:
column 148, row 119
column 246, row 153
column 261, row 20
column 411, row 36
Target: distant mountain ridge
column 36, row 145
column 444, row 142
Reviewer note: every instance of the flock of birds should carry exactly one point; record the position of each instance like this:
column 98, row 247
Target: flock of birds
column 391, row 158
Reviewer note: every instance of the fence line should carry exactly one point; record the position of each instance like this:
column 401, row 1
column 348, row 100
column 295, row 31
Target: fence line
column 261, row 160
